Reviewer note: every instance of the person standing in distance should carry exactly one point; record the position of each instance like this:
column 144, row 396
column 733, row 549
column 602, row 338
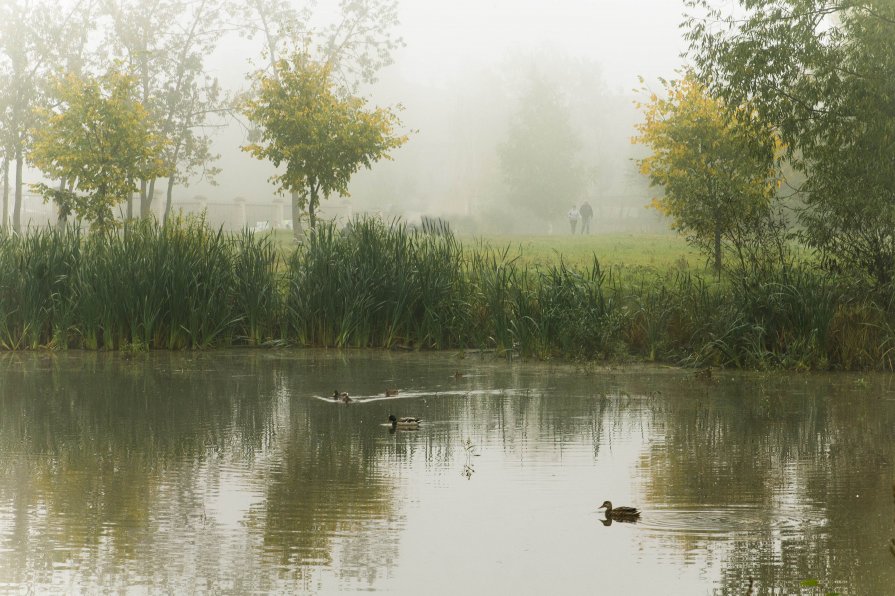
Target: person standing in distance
column 573, row 218
column 587, row 214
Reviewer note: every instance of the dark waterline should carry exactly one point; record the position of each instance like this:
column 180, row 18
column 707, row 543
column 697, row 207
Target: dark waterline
column 234, row 472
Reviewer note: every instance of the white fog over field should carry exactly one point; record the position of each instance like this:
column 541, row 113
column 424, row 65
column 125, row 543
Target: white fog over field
column 461, row 77
column 477, row 80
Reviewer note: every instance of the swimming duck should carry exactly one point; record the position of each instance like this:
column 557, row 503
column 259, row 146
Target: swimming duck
column 391, row 392
column 341, row 396
column 457, row 375
column 620, row 513
column 408, row 422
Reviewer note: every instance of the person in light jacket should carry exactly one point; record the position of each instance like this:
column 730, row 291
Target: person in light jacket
column 573, row 215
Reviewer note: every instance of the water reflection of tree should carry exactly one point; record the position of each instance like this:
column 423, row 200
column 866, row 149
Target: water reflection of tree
column 812, row 455
column 113, row 460
column 341, row 471
column 328, row 484
column 91, row 441
column 112, row 465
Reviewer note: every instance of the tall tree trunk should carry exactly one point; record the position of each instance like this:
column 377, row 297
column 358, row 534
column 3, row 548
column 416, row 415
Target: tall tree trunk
column 718, row 250
column 130, row 199
column 17, row 206
column 168, row 195
column 312, row 207
column 143, row 69
column 146, row 204
column 61, row 211
column 297, row 232
column 5, row 193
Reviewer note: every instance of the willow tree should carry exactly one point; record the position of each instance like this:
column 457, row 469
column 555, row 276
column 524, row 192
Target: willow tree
column 823, row 71
column 718, row 167
column 320, row 136
column 97, row 142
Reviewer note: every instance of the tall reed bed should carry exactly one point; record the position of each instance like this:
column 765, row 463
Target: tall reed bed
column 146, row 286
column 37, row 279
column 388, row 285
column 376, row 284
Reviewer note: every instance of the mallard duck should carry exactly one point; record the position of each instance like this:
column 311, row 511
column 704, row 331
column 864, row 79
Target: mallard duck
column 457, row 375
column 405, row 422
column 391, row 392
column 620, row 513
column 341, row 396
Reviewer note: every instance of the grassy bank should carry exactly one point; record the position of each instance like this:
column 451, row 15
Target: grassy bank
column 388, row 286
column 661, row 252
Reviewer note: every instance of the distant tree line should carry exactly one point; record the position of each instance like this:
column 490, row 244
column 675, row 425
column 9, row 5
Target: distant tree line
column 108, row 98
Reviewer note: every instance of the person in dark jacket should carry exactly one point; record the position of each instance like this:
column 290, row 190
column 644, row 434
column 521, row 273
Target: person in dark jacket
column 587, row 214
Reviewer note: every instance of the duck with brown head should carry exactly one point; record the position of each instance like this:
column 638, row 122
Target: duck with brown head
column 405, row 422
column 628, row 514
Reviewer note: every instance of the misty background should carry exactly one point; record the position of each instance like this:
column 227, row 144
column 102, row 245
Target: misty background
column 494, row 94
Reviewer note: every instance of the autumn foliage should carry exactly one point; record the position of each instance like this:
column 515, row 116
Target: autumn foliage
column 320, row 136
column 97, row 142
column 717, row 166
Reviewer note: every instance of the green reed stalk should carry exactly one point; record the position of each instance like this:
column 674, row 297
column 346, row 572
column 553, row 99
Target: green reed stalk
column 387, row 284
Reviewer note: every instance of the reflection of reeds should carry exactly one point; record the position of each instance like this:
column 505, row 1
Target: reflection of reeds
column 385, row 284
column 892, row 540
column 470, row 450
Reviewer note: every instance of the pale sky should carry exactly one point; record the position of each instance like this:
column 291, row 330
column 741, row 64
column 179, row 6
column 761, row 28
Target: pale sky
column 447, row 39
column 628, row 37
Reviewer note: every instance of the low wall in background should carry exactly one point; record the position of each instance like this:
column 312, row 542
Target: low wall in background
column 275, row 214
column 232, row 215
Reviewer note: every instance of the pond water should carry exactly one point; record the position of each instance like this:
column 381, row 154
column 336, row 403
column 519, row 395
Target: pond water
column 233, row 472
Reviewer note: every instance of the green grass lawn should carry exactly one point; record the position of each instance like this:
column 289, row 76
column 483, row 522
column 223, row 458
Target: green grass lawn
column 655, row 251
column 661, row 252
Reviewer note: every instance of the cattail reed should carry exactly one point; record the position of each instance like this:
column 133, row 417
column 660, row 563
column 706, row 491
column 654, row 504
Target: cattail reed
column 389, row 285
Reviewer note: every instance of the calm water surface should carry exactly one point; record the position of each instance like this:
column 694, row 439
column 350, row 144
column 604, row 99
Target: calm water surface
column 233, row 473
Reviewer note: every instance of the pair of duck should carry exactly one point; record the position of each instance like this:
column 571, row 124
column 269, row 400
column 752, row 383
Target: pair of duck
column 405, row 422
column 344, row 397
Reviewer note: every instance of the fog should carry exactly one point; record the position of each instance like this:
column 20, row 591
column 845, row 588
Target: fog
column 460, row 78
column 463, row 77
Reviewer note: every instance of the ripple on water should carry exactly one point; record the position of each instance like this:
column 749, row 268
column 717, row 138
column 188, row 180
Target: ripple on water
column 410, row 394
column 728, row 522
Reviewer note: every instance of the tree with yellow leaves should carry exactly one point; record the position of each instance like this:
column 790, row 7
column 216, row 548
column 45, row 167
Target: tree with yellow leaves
column 97, row 141
column 718, row 167
column 321, row 135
